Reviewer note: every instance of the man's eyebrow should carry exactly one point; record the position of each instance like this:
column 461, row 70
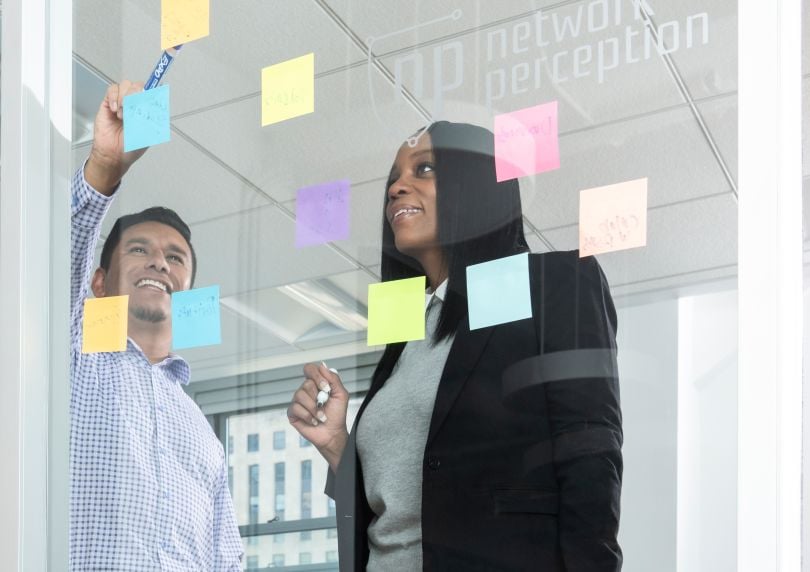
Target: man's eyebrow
column 138, row 240
column 177, row 248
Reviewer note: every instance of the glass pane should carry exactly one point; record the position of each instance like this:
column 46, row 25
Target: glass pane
column 611, row 128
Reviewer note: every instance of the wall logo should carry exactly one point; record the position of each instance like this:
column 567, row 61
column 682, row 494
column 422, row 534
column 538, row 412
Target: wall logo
column 591, row 39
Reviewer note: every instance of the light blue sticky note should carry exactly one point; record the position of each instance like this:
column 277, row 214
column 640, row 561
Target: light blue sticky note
column 195, row 318
column 498, row 291
column 146, row 118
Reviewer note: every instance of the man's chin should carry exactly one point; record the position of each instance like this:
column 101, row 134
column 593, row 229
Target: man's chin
column 151, row 315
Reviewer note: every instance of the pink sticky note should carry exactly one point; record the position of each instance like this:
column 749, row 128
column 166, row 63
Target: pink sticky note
column 527, row 142
column 613, row 217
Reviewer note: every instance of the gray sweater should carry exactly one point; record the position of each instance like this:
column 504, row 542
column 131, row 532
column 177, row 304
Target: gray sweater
column 391, row 437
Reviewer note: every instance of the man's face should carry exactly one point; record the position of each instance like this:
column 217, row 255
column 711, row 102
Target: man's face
column 151, row 261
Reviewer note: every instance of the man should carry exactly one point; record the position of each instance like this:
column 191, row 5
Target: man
column 149, row 486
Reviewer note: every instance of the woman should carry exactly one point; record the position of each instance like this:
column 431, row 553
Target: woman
column 492, row 449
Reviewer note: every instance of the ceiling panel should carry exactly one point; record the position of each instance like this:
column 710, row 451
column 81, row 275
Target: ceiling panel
column 240, row 338
column 668, row 148
column 365, row 224
column 245, row 37
column 410, row 23
column 341, row 140
column 474, row 86
column 720, row 116
column 256, row 249
column 682, row 239
column 178, row 176
column 708, row 68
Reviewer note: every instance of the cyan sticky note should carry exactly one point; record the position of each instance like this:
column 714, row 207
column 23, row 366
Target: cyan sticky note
column 396, row 311
column 322, row 213
column 196, row 318
column 527, row 142
column 146, row 118
column 498, row 291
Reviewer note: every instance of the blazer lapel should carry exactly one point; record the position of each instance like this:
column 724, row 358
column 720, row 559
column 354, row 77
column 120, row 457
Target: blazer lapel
column 461, row 361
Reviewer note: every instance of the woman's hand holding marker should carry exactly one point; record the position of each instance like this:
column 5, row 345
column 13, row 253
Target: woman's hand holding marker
column 318, row 411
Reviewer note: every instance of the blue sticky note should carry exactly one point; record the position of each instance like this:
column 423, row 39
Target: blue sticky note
column 146, row 118
column 196, row 318
column 498, row 291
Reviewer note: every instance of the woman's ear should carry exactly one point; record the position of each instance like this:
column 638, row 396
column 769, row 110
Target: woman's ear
column 98, row 283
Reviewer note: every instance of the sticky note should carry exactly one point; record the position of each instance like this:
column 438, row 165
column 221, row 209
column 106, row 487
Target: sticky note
column 146, row 118
column 396, row 311
column 613, row 217
column 288, row 89
column 498, row 291
column 182, row 21
column 527, row 142
column 196, row 318
column 104, row 328
column 322, row 213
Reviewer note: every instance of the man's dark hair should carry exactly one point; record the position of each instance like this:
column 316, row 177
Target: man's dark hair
column 479, row 219
column 152, row 214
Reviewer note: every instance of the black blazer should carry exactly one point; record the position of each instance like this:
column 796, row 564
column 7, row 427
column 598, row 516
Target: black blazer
column 522, row 467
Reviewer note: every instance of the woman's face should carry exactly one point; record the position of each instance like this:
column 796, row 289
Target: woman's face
column 411, row 208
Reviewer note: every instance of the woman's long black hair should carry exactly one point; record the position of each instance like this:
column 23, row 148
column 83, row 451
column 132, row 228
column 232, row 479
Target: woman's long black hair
column 479, row 219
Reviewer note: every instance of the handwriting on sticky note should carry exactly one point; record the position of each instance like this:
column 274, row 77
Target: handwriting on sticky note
column 322, row 213
column 183, row 21
column 196, row 318
column 104, row 325
column 527, row 142
column 499, row 291
column 396, row 311
column 147, row 118
column 613, row 217
column 288, row 89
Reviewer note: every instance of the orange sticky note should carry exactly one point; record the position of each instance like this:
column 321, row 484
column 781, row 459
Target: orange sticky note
column 105, row 324
column 288, row 89
column 613, row 217
column 182, row 21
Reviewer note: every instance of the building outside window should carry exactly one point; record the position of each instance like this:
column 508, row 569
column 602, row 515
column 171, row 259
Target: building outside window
column 253, row 442
column 279, row 490
column 279, row 440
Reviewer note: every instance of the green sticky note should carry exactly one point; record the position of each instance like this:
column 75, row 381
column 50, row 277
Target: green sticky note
column 396, row 311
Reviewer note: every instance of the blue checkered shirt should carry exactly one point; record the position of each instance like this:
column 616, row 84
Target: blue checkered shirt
column 149, row 484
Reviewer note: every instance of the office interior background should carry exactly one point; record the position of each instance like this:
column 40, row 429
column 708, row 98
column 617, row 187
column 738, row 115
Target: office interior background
column 708, row 100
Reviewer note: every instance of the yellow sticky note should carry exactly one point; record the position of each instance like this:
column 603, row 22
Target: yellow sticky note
column 288, row 89
column 396, row 311
column 613, row 217
column 183, row 21
column 105, row 324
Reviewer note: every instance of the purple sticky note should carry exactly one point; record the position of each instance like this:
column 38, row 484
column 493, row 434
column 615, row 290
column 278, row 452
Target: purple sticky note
column 322, row 213
column 527, row 142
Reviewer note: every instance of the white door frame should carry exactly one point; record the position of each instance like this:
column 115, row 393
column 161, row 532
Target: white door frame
column 34, row 280
column 770, row 286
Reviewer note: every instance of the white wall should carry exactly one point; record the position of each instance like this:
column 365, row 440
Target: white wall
column 648, row 360
column 707, row 433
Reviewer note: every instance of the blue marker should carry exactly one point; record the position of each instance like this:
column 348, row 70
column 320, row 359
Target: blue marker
column 161, row 67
